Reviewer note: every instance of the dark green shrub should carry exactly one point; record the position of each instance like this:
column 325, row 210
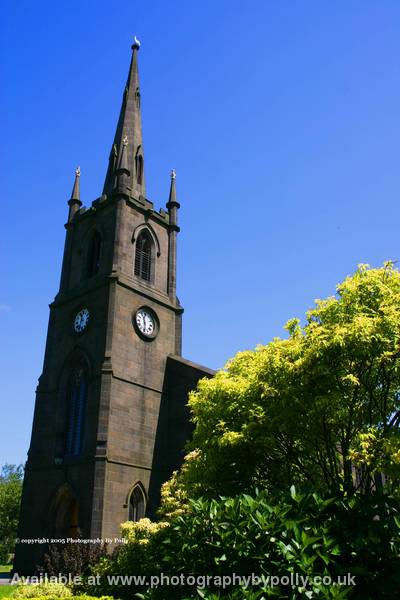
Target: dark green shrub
column 295, row 534
column 71, row 559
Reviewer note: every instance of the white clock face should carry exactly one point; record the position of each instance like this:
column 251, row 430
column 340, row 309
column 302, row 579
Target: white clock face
column 81, row 320
column 145, row 322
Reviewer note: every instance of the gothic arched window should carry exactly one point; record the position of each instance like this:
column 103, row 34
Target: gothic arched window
column 93, row 256
column 139, row 166
column 76, row 399
column 143, row 256
column 137, row 504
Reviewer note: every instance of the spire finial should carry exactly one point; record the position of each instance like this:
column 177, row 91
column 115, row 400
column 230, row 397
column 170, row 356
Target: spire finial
column 136, row 43
column 173, row 174
column 78, row 171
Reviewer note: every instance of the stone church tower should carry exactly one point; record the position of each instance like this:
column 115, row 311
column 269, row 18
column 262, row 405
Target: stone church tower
column 110, row 420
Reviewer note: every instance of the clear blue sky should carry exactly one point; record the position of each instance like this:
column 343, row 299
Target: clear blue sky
column 280, row 118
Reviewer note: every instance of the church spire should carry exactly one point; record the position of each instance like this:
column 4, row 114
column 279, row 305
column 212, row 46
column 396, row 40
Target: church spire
column 172, row 190
column 129, row 127
column 172, row 206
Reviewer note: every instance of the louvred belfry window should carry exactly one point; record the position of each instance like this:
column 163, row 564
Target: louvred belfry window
column 93, row 259
column 143, row 256
column 76, row 411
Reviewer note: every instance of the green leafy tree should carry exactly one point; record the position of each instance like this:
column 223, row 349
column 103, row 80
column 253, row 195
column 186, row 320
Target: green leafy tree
column 320, row 409
column 11, row 477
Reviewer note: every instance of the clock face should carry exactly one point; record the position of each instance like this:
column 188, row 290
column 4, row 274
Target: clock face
column 145, row 322
column 81, row 320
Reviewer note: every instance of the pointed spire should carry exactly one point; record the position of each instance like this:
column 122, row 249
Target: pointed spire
column 76, row 189
column 172, row 203
column 172, row 206
column 74, row 202
column 130, row 127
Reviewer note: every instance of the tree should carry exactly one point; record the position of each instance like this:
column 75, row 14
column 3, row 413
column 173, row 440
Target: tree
column 320, row 409
column 10, row 499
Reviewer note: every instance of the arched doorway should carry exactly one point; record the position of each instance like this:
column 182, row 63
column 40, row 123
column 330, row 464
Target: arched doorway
column 65, row 514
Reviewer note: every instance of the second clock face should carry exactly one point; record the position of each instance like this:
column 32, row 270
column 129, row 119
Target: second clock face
column 145, row 322
column 81, row 320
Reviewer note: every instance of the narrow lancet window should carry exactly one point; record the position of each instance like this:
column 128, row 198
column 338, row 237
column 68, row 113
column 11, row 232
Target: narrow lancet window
column 143, row 256
column 93, row 257
column 137, row 95
column 139, row 167
column 137, row 504
column 76, row 399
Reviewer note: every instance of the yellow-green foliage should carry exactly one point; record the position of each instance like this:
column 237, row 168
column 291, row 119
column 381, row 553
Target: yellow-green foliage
column 73, row 597
column 50, row 591
column 133, row 556
column 6, row 591
column 305, row 409
column 35, row 590
column 140, row 532
column 174, row 497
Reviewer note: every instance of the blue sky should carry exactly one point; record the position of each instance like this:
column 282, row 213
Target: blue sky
column 280, row 118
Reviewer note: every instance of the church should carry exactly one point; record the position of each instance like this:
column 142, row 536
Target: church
column 111, row 418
